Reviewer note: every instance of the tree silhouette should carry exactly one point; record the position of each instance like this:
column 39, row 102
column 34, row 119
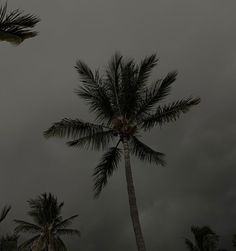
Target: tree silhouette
column 15, row 26
column 204, row 240
column 125, row 105
column 48, row 225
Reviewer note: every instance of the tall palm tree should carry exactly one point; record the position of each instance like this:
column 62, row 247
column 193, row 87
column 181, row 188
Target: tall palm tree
column 15, row 26
column 125, row 105
column 48, row 225
column 204, row 239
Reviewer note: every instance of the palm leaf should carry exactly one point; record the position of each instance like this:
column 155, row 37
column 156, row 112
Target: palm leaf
column 145, row 69
column 134, row 80
column 72, row 128
column 113, row 79
column 86, row 74
column 94, row 92
column 156, row 93
column 4, row 212
column 128, row 95
column 190, row 245
column 145, row 153
column 105, row 168
column 169, row 113
column 96, row 141
column 65, row 222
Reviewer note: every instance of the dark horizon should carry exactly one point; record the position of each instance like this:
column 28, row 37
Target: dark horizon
column 38, row 80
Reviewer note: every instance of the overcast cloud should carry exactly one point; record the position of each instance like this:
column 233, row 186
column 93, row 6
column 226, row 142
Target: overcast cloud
column 198, row 39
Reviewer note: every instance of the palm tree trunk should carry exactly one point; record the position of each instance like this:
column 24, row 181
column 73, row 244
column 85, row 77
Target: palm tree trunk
column 132, row 199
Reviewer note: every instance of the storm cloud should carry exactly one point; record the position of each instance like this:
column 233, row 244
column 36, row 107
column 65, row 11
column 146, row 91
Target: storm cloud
column 38, row 79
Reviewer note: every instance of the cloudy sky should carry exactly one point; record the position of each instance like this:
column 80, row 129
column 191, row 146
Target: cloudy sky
column 38, row 79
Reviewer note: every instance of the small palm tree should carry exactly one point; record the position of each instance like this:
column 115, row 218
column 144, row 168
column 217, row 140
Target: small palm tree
column 204, row 239
column 125, row 105
column 15, row 27
column 48, row 225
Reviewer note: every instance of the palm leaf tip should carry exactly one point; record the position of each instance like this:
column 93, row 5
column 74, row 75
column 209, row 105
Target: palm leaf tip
column 85, row 73
column 105, row 169
column 4, row 212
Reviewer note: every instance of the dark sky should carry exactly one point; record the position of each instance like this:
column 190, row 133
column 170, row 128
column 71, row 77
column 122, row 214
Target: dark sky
column 38, row 78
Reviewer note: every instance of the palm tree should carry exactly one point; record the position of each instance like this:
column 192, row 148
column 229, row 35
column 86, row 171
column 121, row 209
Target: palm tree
column 124, row 105
column 15, row 26
column 204, row 239
column 48, row 225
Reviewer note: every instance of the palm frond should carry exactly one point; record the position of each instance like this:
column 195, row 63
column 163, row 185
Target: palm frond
column 67, row 231
column 145, row 153
column 72, row 128
column 113, row 81
column 94, row 92
column 66, row 222
column 134, row 80
column 154, row 94
column 86, row 74
column 190, row 245
column 105, row 168
column 26, row 227
column 4, row 212
column 169, row 113
column 96, row 141
column 129, row 94
column 145, row 69
column 15, row 26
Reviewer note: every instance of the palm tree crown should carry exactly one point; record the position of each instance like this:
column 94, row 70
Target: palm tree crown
column 204, row 239
column 48, row 224
column 15, row 26
column 124, row 105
